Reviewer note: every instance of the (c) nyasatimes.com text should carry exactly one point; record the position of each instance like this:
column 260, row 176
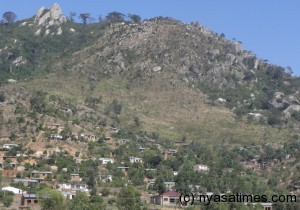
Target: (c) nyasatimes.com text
column 237, row 198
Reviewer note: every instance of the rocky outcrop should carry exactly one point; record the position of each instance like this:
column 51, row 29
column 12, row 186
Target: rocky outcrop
column 45, row 18
column 19, row 61
column 281, row 101
column 257, row 117
column 290, row 110
column 12, row 81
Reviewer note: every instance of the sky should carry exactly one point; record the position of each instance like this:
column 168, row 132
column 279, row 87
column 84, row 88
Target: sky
column 270, row 29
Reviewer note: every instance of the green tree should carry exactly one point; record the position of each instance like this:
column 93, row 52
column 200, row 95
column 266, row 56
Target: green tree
column 9, row 17
column 128, row 198
column 115, row 17
column 116, row 106
column 6, row 198
column 159, row 185
column 80, row 202
column 96, row 203
column 84, row 17
column 134, row 18
column 51, row 199
column 91, row 180
column 38, row 102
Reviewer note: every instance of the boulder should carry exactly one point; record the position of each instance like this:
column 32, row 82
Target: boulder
column 291, row 100
column 12, row 81
column 55, row 12
column 38, row 32
column 44, row 19
column 47, row 32
column 156, row 68
column 49, row 17
column 278, row 95
column 220, row 101
column 290, row 110
column 23, row 24
column 257, row 117
column 59, row 31
column 38, row 14
column 19, row 61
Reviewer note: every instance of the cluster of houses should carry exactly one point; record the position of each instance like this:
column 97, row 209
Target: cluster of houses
column 11, row 168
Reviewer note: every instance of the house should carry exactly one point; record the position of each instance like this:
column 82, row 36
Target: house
column 201, row 168
column 8, row 165
column 124, row 141
column 14, row 190
column 29, row 200
column 169, row 185
column 169, row 152
column 26, row 182
column 52, row 151
column 75, row 178
column 296, row 188
column 135, row 160
column 73, row 187
column 10, row 158
column 180, row 143
column 267, row 206
column 39, row 153
column 166, row 199
column 91, row 137
column 39, row 180
column 105, row 178
column 123, row 168
column 107, row 138
column 68, row 195
column 104, row 161
column 78, row 160
column 142, row 149
column 9, row 173
column 56, row 136
column 41, row 174
column 54, row 126
column 9, row 146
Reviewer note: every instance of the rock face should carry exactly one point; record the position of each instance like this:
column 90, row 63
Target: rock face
column 49, row 17
column 257, row 117
column 290, row 110
column 19, row 61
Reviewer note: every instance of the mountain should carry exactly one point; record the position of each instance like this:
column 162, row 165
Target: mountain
column 157, row 79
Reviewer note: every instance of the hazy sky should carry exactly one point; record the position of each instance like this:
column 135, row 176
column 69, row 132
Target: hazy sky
column 270, row 29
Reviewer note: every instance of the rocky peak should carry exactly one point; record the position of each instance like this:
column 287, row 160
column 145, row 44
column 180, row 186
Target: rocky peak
column 48, row 17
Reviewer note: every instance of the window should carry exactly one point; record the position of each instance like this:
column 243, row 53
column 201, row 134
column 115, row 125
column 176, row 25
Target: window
column 172, row 200
column 35, row 201
column 28, row 201
column 166, row 199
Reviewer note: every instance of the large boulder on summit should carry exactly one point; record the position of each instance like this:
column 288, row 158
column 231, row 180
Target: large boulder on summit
column 48, row 17
column 55, row 12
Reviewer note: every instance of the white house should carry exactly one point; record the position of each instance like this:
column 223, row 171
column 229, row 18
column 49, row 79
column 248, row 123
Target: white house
column 73, row 187
column 135, row 160
column 105, row 178
column 14, row 190
column 56, row 136
column 9, row 146
column 104, row 161
column 200, row 167
column 68, row 195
